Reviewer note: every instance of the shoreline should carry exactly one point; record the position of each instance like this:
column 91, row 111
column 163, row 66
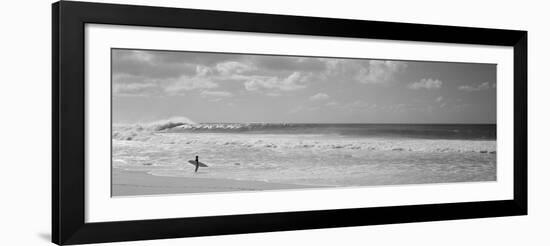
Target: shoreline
column 137, row 183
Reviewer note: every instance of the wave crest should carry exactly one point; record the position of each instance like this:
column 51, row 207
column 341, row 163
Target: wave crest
column 160, row 125
column 142, row 131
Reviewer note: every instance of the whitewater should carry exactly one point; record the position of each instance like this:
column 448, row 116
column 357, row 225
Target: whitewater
column 309, row 154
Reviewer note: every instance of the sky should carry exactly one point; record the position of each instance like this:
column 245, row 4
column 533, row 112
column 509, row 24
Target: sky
column 205, row 87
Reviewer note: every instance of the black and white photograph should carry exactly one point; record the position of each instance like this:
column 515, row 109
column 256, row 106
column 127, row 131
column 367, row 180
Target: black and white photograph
column 202, row 122
column 274, row 123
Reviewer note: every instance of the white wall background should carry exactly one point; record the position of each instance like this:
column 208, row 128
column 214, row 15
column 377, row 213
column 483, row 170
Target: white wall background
column 25, row 122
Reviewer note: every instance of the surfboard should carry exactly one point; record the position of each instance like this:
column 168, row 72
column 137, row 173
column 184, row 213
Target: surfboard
column 193, row 162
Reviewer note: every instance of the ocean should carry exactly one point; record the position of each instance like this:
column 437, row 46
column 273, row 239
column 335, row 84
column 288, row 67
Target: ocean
column 336, row 155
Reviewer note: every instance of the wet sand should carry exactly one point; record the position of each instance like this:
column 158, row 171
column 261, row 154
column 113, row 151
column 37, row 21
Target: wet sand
column 133, row 183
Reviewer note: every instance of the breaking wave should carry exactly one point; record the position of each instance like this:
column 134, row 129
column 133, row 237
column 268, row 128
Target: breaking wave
column 324, row 154
column 426, row 131
column 143, row 131
column 311, row 137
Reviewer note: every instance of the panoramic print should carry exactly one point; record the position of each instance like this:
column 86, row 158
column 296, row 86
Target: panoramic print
column 197, row 122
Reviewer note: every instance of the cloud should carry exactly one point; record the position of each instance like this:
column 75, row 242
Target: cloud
column 429, row 84
column 479, row 87
column 319, row 97
column 293, row 82
column 135, row 89
column 131, row 85
column 441, row 102
column 203, row 70
column 184, row 83
column 175, row 72
column 168, row 64
column 397, row 107
column 141, row 55
column 364, row 71
column 147, row 64
column 289, row 63
column 128, row 79
column 379, row 71
column 216, row 94
column 357, row 106
column 232, row 67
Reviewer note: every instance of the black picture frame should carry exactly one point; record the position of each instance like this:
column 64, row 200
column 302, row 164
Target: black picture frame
column 68, row 122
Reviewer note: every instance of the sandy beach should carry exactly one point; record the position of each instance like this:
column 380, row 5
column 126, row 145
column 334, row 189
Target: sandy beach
column 133, row 183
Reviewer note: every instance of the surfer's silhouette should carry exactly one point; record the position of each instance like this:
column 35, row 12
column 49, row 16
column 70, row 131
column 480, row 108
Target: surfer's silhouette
column 196, row 163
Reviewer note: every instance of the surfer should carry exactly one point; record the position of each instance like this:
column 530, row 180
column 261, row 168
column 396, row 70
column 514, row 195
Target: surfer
column 196, row 163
